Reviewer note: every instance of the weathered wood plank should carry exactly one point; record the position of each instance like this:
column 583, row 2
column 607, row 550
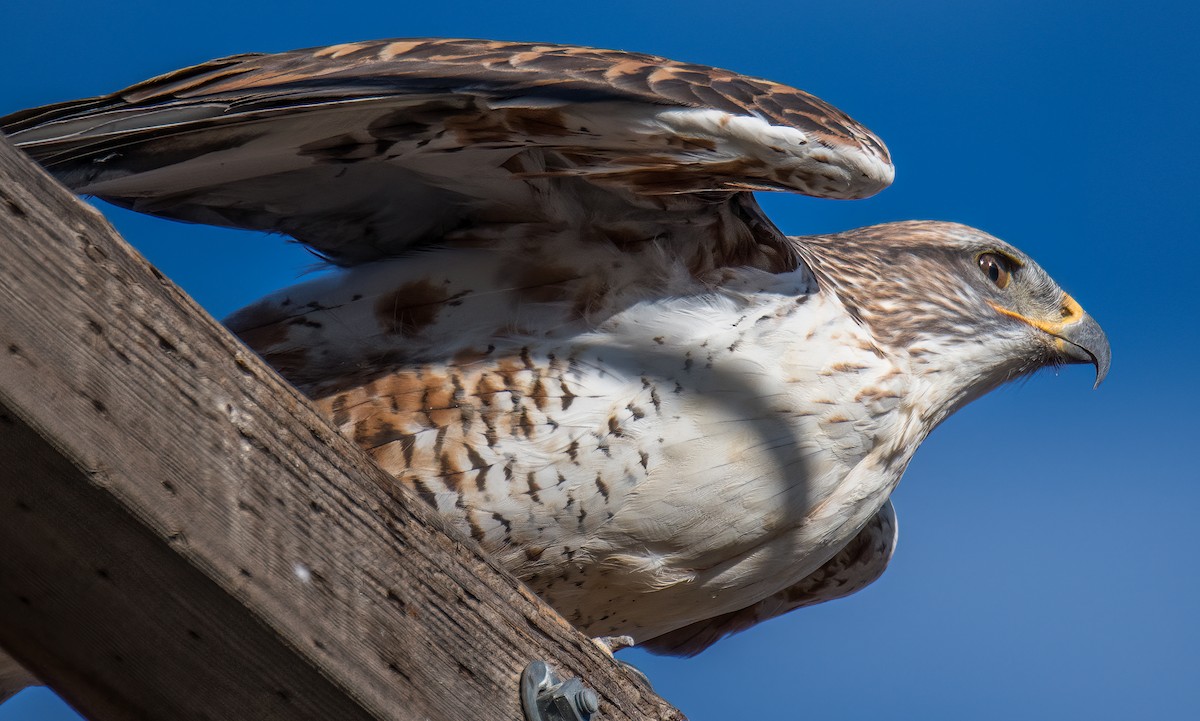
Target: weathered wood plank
column 185, row 538
column 13, row 677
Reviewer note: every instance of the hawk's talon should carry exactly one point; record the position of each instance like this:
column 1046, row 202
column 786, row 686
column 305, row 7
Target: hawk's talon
column 612, row 644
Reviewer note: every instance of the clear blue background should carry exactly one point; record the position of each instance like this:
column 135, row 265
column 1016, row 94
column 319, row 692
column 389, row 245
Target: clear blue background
column 1047, row 566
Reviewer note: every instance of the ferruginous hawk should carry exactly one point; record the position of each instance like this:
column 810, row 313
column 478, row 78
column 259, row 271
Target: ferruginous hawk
column 562, row 319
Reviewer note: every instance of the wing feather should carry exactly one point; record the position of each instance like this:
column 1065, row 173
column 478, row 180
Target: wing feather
column 365, row 149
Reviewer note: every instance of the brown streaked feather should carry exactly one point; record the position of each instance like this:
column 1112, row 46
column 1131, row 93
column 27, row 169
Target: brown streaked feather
column 352, row 148
column 441, row 65
column 255, row 82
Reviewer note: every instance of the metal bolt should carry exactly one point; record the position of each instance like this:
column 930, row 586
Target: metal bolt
column 588, row 701
column 546, row 697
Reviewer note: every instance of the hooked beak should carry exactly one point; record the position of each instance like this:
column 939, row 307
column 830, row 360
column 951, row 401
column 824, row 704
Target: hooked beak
column 1077, row 336
column 1083, row 342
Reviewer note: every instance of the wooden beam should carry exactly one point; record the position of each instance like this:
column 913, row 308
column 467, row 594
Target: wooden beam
column 185, row 538
column 13, row 677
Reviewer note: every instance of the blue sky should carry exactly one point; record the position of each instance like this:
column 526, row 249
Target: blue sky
column 1046, row 567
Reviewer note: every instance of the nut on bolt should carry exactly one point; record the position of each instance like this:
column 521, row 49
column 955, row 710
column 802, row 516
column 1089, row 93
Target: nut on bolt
column 547, row 697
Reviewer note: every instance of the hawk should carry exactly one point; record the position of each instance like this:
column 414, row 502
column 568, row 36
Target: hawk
column 560, row 317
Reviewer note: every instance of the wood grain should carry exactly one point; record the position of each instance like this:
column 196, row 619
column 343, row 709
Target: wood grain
column 185, row 538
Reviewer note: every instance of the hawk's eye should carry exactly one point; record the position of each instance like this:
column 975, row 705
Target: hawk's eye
column 996, row 268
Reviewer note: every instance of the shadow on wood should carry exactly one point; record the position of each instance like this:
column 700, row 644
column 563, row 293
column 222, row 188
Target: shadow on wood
column 185, row 538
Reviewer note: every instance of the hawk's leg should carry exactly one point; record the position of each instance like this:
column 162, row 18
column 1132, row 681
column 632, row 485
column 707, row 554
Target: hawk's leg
column 612, row 644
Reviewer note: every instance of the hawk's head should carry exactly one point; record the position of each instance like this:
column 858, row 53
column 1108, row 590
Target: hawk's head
column 959, row 302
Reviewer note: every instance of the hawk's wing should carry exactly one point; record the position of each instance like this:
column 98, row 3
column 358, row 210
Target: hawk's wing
column 365, row 149
column 855, row 567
